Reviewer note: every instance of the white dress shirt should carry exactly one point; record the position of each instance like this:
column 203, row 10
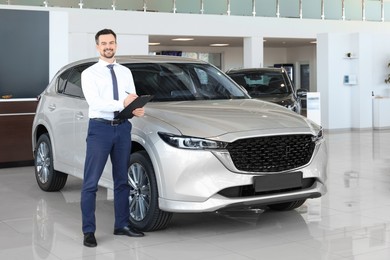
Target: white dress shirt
column 97, row 86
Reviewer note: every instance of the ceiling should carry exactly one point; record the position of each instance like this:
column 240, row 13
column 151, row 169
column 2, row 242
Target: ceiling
column 205, row 41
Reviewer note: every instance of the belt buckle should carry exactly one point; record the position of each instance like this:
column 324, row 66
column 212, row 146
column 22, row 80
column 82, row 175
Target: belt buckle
column 115, row 122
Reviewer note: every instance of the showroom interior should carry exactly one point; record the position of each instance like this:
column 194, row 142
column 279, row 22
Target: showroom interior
column 340, row 53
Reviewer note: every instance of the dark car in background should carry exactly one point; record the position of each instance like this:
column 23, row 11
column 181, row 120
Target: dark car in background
column 269, row 84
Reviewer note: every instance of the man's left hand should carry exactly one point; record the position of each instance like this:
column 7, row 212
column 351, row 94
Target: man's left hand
column 139, row 112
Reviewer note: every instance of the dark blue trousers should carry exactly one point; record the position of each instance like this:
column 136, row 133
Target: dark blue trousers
column 104, row 140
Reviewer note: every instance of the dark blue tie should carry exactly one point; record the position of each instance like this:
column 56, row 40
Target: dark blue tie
column 114, row 84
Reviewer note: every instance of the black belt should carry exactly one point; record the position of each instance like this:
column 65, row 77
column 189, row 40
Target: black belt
column 113, row 122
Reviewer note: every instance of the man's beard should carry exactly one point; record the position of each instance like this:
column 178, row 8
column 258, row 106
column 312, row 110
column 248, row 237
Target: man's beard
column 108, row 55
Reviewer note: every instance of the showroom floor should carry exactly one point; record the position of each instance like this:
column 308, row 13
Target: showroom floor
column 351, row 222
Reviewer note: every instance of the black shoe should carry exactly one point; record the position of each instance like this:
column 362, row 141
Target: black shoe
column 90, row 240
column 128, row 231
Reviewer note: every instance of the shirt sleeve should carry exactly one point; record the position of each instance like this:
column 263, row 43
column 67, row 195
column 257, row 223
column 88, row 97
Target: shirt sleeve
column 129, row 82
column 98, row 98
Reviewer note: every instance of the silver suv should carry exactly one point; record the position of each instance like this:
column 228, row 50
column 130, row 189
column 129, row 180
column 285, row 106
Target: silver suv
column 203, row 144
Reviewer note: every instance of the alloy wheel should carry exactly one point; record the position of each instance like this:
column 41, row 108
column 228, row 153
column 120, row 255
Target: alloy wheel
column 43, row 162
column 140, row 192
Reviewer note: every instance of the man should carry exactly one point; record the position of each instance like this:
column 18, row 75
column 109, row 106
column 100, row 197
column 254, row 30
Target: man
column 106, row 85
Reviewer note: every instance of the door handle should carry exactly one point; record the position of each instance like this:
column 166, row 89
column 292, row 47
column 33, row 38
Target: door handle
column 79, row 116
column 52, row 107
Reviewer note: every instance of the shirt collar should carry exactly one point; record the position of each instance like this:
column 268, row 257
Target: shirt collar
column 105, row 63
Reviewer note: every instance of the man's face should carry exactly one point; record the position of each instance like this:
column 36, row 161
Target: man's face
column 106, row 46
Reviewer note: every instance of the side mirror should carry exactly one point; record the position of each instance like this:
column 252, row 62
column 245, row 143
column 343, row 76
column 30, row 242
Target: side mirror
column 302, row 92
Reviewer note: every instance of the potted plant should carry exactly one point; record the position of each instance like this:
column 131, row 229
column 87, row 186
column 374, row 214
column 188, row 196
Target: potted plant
column 387, row 80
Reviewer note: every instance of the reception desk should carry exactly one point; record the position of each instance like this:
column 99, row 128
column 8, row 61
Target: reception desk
column 16, row 118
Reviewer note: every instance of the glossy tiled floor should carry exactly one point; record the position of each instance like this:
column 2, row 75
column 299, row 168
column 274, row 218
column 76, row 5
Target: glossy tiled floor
column 351, row 222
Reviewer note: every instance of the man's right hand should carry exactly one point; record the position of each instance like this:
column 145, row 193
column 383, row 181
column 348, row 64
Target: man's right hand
column 130, row 98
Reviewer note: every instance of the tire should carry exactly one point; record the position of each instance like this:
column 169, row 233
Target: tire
column 145, row 213
column 47, row 178
column 287, row 205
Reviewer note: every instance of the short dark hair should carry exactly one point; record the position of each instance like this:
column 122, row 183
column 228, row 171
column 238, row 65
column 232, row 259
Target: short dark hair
column 104, row 32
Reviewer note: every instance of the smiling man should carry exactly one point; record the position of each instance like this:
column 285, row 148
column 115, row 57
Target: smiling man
column 105, row 85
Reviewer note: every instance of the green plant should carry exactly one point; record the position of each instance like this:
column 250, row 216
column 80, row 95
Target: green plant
column 387, row 80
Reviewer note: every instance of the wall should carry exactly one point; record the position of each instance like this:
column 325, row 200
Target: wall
column 350, row 106
column 304, row 55
column 335, row 97
column 274, row 55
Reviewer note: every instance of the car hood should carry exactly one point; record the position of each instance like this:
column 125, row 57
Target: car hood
column 216, row 118
column 281, row 99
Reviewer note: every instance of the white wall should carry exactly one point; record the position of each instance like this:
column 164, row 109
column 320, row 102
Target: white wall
column 335, row 97
column 274, row 55
column 58, row 37
column 86, row 48
column 350, row 106
column 304, row 55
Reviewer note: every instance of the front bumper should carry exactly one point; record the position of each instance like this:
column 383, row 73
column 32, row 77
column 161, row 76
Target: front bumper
column 217, row 201
column 193, row 181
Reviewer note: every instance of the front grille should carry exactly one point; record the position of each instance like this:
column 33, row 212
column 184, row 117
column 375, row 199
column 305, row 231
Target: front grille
column 271, row 153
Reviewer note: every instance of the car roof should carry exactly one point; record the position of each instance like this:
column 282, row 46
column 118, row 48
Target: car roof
column 141, row 59
column 251, row 70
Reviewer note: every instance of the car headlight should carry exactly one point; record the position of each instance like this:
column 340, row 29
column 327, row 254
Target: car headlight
column 189, row 142
column 319, row 137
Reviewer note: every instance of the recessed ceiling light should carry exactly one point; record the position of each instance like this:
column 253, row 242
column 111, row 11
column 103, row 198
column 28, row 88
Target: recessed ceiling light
column 219, row 44
column 153, row 43
column 183, row 39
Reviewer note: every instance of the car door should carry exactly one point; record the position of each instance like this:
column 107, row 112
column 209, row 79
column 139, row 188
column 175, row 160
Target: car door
column 77, row 118
column 79, row 108
column 60, row 113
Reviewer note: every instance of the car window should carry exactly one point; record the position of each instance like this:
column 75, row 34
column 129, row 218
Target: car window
column 69, row 82
column 183, row 81
column 62, row 79
column 263, row 83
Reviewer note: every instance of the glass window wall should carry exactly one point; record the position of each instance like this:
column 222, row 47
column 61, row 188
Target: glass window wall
column 370, row 10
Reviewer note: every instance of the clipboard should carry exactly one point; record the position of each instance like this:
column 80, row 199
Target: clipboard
column 140, row 101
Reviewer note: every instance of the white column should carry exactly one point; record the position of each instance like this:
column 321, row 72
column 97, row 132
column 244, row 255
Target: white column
column 322, row 78
column 345, row 106
column 58, row 41
column 382, row 11
column 253, row 52
column 362, row 92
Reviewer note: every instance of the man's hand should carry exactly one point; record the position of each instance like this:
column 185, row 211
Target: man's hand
column 139, row 112
column 130, row 98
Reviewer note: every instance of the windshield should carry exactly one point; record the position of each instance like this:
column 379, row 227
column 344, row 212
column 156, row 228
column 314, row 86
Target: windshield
column 183, row 81
column 263, row 83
